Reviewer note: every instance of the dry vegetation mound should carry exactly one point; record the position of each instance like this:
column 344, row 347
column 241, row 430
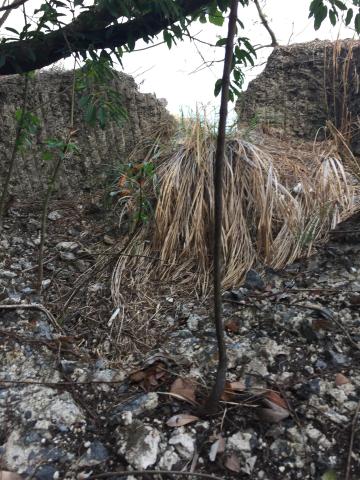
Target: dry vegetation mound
column 281, row 198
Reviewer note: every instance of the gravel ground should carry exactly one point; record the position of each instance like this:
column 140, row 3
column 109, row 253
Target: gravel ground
column 69, row 410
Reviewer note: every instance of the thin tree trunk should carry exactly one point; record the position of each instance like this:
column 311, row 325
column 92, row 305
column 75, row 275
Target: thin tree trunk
column 218, row 388
column 15, row 149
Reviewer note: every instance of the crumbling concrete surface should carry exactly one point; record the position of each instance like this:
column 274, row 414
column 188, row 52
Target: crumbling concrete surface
column 303, row 86
column 100, row 151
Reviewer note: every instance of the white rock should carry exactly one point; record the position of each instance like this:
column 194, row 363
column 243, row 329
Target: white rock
column 169, row 459
column 67, row 256
column 240, row 442
column 139, row 444
column 193, row 322
column 184, row 444
column 67, row 246
column 54, row 215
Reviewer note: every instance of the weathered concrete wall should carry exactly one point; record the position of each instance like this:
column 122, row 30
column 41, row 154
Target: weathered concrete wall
column 305, row 84
column 100, row 150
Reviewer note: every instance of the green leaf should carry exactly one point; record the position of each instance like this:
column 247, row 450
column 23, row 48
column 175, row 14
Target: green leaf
column 357, row 23
column 218, row 87
column 101, row 115
column 12, row 30
column 47, row 156
column 221, row 42
column 90, row 114
column 217, row 19
column 320, row 15
column 340, row 5
column 349, row 16
column 167, row 38
column 333, row 17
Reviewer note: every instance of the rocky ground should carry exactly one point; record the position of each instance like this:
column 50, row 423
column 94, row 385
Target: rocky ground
column 67, row 410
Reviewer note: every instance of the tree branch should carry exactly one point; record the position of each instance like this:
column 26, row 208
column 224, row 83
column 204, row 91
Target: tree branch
column 13, row 5
column 274, row 42
column 91, row 29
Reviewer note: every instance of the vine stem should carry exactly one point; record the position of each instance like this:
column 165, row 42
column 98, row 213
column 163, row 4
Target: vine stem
column 212, row 402
column 51, row 187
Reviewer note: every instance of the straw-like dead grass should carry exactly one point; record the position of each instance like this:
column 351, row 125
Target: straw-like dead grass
column 280, row 201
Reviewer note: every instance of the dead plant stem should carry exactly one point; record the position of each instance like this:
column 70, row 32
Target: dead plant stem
column 139, row 473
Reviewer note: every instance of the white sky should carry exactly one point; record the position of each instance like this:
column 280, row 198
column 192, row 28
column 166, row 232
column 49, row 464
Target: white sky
column 170, row 73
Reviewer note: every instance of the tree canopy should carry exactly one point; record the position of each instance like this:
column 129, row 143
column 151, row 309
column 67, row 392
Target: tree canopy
column 61, row 28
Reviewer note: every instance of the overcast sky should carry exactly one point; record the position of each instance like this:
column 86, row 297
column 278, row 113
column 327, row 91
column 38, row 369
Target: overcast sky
column 174, row 74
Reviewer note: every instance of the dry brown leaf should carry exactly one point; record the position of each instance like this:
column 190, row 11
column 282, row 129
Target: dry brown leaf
column 354, row 299
column 184, row 388
column 237, row 386
column 149, row 376
column 5, row 475
column 232, row 326
column 181, row 420
column 274, row 414
column 232, row 463
column 321, row 324
column 340, row 379
column 138, row 376
column 275, row 398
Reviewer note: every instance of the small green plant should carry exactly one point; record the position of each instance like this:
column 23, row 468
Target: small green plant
column 129, row 187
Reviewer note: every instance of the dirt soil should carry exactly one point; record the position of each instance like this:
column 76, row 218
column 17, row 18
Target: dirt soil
column 72, row 407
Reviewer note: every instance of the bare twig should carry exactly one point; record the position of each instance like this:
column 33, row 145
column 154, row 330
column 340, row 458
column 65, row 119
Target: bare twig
column 13, row 5
column 39, row 307
column 264, row 21
column 352, row 436
column 138, row 473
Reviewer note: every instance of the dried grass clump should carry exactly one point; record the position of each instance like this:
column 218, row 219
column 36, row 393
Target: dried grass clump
column 280, row 201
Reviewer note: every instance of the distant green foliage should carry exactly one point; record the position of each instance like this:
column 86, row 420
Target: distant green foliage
column 28, row 124
column 321, row 9
column 98, row 100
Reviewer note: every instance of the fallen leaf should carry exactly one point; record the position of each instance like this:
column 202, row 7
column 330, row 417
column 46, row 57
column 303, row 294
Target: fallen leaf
column 232, row 463
column 217, row 447
column 237, row 386
column 340, row 379
column 138, row 376
column 231, row 390
column 5, row 475
column 232, row 326
column 148, row 377
column 275, row 398
column 275, row 414
column 277, row 408
column 354, row 299
column 185, row 389
column 181, row 420
column 321, row 324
